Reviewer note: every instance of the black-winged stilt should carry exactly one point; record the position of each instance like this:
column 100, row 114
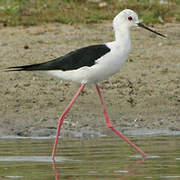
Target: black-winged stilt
column 91, row 64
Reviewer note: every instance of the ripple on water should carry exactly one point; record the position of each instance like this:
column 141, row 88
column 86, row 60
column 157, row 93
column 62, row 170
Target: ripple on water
column 31, row 159
column 91, row 158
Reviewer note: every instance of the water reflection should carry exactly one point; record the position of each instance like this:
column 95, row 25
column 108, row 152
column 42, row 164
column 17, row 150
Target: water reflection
column 130, row 169
column 126, row 170
column 105, row 158
column 55, row 170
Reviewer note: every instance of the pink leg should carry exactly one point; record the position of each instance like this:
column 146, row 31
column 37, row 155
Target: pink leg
column 110, row 126
column 62, row 118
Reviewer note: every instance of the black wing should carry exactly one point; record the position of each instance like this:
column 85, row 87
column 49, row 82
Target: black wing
column 76, row 59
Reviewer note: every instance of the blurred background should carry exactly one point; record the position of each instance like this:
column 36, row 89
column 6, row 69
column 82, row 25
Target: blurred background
column 33, row 12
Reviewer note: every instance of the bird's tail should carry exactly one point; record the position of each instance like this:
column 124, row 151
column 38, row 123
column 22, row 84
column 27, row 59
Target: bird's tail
column 32, row 67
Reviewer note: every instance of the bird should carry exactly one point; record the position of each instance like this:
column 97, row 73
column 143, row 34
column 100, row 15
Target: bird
column 92, row 64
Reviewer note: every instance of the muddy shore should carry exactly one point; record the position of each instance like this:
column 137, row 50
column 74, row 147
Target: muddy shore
column 144, row 95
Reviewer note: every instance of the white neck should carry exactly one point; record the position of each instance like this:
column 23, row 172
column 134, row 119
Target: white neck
column 122, row 34
column 122, row 38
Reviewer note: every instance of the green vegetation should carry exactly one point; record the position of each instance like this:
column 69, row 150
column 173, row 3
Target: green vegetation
column 32, row 12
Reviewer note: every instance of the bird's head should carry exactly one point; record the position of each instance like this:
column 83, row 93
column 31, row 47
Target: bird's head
column 128, row 18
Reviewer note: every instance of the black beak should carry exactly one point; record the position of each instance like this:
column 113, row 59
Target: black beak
column 145, row 27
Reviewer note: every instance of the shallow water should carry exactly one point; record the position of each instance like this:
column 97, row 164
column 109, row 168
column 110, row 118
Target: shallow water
column 103, row 158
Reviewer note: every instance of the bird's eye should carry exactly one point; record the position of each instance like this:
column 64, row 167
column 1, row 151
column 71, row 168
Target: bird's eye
column 130, row 18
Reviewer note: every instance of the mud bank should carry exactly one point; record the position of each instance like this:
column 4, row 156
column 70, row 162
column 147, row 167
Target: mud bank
column 144, row 95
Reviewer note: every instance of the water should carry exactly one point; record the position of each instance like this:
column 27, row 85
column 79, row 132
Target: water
column 105, row 158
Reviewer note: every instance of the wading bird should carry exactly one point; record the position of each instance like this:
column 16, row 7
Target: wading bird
column 91, row 64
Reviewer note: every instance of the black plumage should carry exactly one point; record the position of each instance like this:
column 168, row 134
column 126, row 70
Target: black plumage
column 85, row 56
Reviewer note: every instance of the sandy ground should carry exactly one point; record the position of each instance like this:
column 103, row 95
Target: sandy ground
column 144, row 95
